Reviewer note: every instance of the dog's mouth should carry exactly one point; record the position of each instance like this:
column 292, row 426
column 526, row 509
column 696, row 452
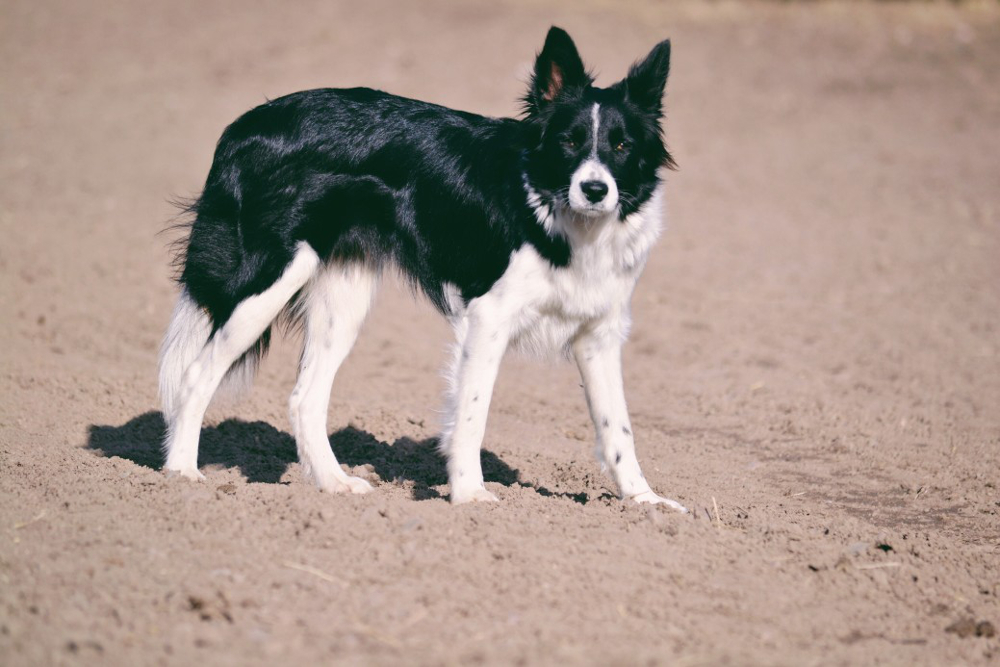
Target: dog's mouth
column 593, row 210
column 588, row 215
column 589, row 211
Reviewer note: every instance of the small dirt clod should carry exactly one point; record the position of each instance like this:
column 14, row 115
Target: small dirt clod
column 968, row 627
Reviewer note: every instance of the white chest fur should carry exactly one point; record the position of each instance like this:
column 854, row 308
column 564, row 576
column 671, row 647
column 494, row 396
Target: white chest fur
column 548, row 306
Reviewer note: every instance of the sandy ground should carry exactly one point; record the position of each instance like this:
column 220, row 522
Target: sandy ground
column 815, row 365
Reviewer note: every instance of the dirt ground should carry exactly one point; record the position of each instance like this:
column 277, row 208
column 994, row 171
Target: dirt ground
column 814, row 369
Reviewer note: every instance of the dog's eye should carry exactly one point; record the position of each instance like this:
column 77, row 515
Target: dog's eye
column 621, row 146
column 570, row 143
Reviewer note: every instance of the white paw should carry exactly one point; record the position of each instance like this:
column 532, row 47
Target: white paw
column 653, row 499
column 192, row 474
column 475, row 494
column 345, row 484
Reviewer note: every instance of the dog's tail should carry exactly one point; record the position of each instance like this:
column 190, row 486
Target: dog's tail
column 189, row 331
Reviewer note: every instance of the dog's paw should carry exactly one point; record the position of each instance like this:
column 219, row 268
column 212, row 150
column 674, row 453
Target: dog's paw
column 192, row 474
column 475, row 494
column 650, row 498
column 345, row 484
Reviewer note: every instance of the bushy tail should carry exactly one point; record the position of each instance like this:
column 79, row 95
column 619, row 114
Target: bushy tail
column 187, row 333
column 189, row 330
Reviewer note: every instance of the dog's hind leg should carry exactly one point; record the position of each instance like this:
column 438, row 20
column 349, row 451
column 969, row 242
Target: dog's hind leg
column 335, row 303
column 246, row 324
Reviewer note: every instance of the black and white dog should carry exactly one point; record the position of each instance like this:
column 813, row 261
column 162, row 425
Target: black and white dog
column 528, row 232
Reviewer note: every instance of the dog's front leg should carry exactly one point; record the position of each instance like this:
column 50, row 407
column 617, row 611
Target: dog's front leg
column 600, row 366
column 482, row 340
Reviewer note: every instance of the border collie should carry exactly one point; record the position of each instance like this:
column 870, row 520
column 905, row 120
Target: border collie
column 526, row 232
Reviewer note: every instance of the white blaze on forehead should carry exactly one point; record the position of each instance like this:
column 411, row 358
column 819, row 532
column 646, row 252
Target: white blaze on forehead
column 592, row 169
column 595, row 114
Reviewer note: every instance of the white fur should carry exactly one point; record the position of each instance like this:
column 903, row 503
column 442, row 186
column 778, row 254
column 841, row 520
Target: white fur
column 203, row 374
column 334, row 305
column 186, row 335
column 543, row 212
column 460, row 325
column 482, row 333
column 595, row 116
column 581, row 309
column 453, row 299
column 593, row 169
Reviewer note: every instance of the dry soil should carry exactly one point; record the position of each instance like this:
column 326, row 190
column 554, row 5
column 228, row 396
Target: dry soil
column 814, row 369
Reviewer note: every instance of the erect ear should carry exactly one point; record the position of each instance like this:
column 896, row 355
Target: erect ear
column 647, row 79
column 557, row 67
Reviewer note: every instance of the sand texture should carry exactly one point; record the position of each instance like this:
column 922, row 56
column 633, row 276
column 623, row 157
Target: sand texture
column 814, row 368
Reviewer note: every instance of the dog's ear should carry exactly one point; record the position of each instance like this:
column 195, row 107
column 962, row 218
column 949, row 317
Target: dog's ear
column 557, row 67
column 646, row 79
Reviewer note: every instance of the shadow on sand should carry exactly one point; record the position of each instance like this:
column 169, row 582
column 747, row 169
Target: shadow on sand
column 263, row 453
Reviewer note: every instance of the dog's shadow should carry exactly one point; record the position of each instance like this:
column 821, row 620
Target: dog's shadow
column 263, row 453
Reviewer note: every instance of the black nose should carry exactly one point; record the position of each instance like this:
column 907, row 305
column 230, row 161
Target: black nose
column 594, row 190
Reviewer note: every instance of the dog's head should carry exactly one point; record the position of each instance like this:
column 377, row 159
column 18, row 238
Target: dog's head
column 594, row 151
